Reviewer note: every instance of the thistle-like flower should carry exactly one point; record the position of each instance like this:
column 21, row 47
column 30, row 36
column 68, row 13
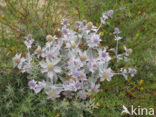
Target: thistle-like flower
column 94, row 88
column 104, row 55
column 83, row 95
column 93, row 65
column 83, row 56
column 132, row 72
column 37, row 87
column 94, row 40
column 50, row 67
column 106, row 74
column 49, row 53
column 65, row 22
column 18, row 61
column 49, row 38
column 32, row 84
column 53, row 94
column 110, row 13
column 128, row 51
column 38, row 51
column 106, row 15
column 116, row 31
column 29, row 41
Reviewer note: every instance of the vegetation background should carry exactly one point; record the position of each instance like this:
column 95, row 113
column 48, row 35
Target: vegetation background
column 135, row 18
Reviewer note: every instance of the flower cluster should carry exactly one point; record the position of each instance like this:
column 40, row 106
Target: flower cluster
column 72, row 63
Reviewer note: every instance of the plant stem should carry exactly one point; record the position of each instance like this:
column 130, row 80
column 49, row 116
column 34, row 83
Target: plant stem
column 99, row 28
column 117, row 49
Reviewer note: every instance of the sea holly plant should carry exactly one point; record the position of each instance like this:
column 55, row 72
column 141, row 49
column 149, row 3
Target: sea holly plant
column 72, row 63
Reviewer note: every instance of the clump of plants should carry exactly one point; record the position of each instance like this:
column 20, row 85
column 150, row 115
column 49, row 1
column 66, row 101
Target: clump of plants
column 71, row 65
